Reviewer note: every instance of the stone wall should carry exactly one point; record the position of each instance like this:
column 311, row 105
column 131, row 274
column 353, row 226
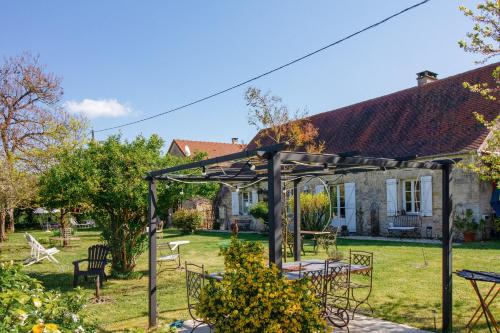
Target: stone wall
column 467, row 192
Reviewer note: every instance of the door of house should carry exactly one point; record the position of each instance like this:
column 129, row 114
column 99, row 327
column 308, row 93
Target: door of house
column 343, row 199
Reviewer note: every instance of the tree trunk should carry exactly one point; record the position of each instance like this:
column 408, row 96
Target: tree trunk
column 11, row 220
column 3, row 234
column 62, row 223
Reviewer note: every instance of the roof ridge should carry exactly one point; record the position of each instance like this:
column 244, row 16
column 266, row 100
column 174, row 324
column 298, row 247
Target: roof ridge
column 436, row 118
column 201, row 141
column 427, row 86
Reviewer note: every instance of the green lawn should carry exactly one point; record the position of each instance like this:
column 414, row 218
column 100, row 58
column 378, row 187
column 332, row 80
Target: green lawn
column 405, row 290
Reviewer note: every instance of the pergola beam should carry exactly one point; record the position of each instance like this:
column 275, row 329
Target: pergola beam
column 447, row 252
column 297, row 246
column 356, row 161
column 275, row 204
column 221, row 159
column 318, row 165
column 152, row 287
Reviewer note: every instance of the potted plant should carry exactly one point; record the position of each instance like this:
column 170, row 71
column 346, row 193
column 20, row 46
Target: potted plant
column 466, row 224
column 344, row 231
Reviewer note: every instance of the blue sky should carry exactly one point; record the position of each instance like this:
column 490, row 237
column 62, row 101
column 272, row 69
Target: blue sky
column 133, row 59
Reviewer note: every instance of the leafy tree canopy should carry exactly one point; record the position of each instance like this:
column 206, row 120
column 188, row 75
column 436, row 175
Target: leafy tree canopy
column 107, row 177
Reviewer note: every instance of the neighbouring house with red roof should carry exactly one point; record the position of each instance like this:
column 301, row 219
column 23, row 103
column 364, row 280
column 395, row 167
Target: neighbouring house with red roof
column 183, row 148
column 180, row 147
column 431, row 121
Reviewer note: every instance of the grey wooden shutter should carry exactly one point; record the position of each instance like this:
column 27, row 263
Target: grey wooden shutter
column 392, row 197
column 235, row 203
column 350, row 206
column 255, row 197
column 426, row 195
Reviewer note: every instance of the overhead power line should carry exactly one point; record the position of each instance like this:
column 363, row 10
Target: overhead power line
column 242, row 83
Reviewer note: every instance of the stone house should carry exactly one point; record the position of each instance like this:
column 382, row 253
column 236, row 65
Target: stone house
column 433, row 120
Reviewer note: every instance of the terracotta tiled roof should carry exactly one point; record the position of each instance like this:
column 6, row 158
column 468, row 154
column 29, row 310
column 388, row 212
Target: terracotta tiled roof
column 434, row 119
column 213, row 149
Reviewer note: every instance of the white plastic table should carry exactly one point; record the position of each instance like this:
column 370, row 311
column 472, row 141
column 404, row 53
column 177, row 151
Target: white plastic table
column 172, row 256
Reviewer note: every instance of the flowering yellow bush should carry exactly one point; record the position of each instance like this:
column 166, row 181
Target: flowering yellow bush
column 314, row 210
column 253, row 297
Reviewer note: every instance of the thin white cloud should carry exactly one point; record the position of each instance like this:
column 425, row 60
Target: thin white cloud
column 100, row 108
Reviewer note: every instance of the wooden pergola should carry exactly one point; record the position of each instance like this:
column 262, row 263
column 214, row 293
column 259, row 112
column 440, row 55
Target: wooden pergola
column 277, row 165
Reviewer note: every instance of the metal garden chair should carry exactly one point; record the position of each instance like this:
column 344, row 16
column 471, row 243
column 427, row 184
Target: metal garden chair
column 330, row 239
column 360, row 278
column 289, row 243
column 316, row 277
column 195, row 281
column 337, row 293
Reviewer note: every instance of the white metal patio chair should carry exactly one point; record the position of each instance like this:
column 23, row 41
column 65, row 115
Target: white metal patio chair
column 38, row 252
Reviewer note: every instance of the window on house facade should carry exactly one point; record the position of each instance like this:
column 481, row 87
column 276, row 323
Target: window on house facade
column 411, row 196
column 245, row 199
column 337, row 193
column 306, row 189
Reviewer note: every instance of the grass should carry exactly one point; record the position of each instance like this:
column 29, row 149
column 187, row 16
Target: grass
column 405, row 289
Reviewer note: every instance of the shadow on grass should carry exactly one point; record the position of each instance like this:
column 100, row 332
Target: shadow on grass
column 63, row 281
column 402, row 311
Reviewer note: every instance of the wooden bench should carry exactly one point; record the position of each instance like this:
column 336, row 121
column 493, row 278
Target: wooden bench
column 244, row 224
column 405, row 225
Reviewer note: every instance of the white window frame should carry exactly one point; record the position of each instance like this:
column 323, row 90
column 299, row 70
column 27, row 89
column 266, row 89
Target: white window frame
column 337, row 206
column 244, row 201
column 415, row 195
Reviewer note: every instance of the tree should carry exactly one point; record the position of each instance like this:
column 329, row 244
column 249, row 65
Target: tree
column 17, row 190
column 276, row 124
column 32, row 126
column 107, row 179
column 120, row 197
column 485, row 40
column 66, row 185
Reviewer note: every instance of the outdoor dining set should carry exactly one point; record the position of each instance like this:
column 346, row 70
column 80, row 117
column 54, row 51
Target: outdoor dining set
column 342, row 287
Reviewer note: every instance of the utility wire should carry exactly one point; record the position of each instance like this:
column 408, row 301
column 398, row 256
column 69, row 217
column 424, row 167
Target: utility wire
column 237, row 85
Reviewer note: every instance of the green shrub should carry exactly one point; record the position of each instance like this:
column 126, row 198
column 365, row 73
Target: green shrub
column 314, row 210
column 465, row 221
column 188, row 220
column 260, row 210
column 254, row 297
column 25, row 306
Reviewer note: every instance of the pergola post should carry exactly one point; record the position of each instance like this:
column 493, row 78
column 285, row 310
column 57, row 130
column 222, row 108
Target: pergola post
column 297, row 246
column 447, row 306
column 152, row 219
column 274, row 201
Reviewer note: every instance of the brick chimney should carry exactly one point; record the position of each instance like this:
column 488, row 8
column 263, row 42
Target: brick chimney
column 234, row 141
column 426, row 77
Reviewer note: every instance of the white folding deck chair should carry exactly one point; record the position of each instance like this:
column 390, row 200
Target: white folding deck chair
column 38, row 252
